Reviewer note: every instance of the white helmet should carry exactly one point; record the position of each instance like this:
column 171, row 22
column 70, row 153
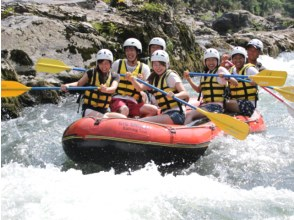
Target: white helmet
column 133, row 42
column 158, row 41
column 239, row 50
column 161, row 56
column 212, row 53
column 255, row 43
column 105, row 54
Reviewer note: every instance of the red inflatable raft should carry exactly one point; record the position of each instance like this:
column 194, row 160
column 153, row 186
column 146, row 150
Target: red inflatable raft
column 124, row 141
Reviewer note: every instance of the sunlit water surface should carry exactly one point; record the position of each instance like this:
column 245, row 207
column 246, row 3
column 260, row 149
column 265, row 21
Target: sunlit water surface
column 251, row 179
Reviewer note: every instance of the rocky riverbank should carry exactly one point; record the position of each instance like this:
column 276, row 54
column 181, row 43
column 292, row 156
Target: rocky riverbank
column 73, row 31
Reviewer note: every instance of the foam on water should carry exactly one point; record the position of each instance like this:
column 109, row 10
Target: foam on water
column 250, row 179
column 35, row 193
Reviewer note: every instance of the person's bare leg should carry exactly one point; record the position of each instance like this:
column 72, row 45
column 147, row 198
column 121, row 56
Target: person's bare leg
column 94, row 114
column 232, row 106
column 193, row 115
column 163, row 119
column 114, row 115
column 148, row 110
column 124, row 110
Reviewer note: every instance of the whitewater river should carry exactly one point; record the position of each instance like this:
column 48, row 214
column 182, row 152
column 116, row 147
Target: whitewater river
column 251, row 179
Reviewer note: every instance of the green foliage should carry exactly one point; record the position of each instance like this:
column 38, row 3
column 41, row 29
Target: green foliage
column 106, row 28
column 207, row 17
column 153, row 7
column 7, row 12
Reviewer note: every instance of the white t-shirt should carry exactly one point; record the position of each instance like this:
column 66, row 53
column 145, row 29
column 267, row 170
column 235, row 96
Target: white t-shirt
column 145, row 73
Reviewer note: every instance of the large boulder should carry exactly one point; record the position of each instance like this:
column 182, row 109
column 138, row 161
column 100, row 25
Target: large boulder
column 235, row 21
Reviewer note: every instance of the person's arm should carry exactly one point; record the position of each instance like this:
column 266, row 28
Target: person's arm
column 174, row 81
column 113, row 85
column 182, row 93
column 81, row 82
column 222, row 80
column 189, row 79
column 145, row 72
column 251, row 71
column 138, row 86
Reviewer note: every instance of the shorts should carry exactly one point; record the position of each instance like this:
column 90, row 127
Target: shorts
column 246, row 107
column 134, row 108
column 213, row 108
column 176, row 116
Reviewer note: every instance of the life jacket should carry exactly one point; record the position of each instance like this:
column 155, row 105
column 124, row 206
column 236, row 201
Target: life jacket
column 211, row 90
column 244, row 90
column 125, row 87
column 147, row 61
column 163, row 101
column 98, row 100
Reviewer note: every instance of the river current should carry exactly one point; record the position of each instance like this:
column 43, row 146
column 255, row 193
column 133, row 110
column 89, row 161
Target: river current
column 250, row 179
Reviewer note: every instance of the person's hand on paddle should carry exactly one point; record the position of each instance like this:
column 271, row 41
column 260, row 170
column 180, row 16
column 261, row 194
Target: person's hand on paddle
column 186, row 74
column 103, row 88
column 231, row 80
column 64, row 88
column 170, row 94
column 129, row 76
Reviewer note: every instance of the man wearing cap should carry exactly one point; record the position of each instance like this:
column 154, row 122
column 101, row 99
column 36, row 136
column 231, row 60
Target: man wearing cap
column 254, row 49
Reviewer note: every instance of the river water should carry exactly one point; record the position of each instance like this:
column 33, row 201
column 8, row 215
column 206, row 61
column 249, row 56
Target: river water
column 250, row 179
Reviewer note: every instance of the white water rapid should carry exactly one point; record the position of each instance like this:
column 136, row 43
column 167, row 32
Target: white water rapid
column 250, row 179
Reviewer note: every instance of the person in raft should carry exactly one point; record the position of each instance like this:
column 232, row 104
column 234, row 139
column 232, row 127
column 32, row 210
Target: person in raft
column 127, row 100
column 211, row 88
column 96, row 102
column 172, row 112
column 243, row 97
column 156, row 43
column 254, row 49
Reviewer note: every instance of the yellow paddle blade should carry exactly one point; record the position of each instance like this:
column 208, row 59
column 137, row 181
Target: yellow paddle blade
column 270, row 78
column 230, row 125
column 48, row 65
column 12, row 88
column 287, row 92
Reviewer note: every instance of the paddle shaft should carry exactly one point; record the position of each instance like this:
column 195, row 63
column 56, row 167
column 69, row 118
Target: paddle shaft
column 216, row 75
column 51, row 88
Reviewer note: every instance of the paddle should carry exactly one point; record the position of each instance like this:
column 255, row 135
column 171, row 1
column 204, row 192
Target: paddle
column 289, row 107
column 287, row 91
column 13, row 88
column 263, row 78
column 48, row 65
column 230, row 125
